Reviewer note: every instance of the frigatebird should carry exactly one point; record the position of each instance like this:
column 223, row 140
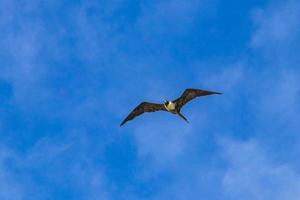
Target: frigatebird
column 169, row 106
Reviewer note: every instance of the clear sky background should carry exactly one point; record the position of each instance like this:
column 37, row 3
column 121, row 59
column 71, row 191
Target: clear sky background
column 70, row 71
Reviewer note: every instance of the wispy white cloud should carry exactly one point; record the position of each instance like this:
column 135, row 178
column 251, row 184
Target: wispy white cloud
column 276, row 25
column 163, row 16
column 252, row 174
column 274, row 88
column 231, row 79
column 96, row 44
column 25, row 42
column 163, row 144
column 10, row 187
column 283, row 98
column 55, row 164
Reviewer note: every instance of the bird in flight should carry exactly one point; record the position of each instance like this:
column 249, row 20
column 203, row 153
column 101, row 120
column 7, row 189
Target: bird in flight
column 169, row 106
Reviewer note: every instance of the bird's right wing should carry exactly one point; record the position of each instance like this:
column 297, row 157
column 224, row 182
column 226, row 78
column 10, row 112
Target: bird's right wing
column 143, row 107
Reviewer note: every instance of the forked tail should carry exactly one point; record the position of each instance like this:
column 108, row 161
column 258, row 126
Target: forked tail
column 180, row 115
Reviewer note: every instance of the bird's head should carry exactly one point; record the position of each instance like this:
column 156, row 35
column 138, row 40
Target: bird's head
column 166, row 102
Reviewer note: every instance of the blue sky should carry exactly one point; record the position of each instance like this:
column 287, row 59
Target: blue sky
column 72, row 70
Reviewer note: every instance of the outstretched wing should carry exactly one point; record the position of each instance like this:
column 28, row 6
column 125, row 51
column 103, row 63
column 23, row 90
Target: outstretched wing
column 190, row 94
column 143, row 107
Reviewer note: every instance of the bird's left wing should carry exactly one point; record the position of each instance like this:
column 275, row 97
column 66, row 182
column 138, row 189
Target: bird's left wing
column 190, row 94
column 143, row 107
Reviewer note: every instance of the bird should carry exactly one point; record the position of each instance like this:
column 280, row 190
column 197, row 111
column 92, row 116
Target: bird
column 173, row 107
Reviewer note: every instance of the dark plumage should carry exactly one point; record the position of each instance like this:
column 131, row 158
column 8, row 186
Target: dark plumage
column 170, row 106
column 190, row 94
column 144, row 107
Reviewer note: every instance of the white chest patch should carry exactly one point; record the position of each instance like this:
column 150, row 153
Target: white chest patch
column 170, row 106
